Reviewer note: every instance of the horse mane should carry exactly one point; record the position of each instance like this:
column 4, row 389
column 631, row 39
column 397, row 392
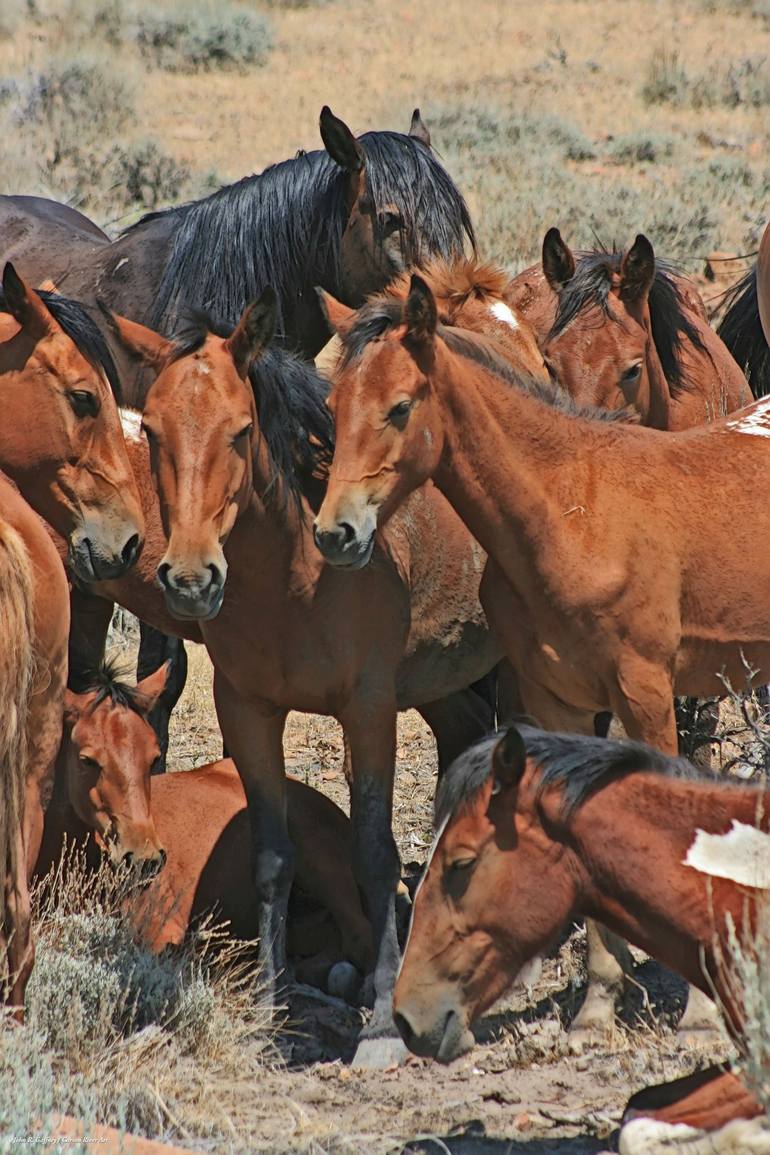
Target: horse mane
column 742, row 332
column 387, row 312
column 456, row 282
column 83, row 331
column 105, row 680
column 294, row 420
column 581, row 764
column 590, row 286
column 283, row 227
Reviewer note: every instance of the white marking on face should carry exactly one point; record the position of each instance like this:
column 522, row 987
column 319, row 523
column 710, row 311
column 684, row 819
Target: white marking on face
column 427, row 436
column 131, row 420
column 500, row 310
column 650, row 1136
column 431, row 852
column 741, row 855
column 755, row 422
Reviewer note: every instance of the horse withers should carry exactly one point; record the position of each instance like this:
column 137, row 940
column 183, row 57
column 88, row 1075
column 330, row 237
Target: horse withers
column 661, row 854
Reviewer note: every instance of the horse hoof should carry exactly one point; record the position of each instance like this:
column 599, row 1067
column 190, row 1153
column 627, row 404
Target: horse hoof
column 378, row 1054
column 344, row 982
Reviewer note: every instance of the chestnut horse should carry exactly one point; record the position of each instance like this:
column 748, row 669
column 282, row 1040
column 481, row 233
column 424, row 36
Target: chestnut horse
column 605, row 585
column 621, row 330
column 236, row 434
column 665, row 857
column 745, row 327
column 61, row 439
column 192, row 825
column 34, row 611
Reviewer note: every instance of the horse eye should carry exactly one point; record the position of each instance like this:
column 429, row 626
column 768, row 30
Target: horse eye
column 90, row 763
column 245, row 432
column 631, row 374
column 461, row 864
column 84, row 403
column 400, row 412
column 147, row 432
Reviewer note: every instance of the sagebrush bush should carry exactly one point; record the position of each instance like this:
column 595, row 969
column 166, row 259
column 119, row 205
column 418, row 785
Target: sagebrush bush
column 744, row 82
column 181, row 37
column 745, row 967
column 642, row 147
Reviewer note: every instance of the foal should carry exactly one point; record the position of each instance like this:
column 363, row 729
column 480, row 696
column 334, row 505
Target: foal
column 666, row 858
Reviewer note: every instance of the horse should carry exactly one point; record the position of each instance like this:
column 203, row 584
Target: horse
column 745, row 326
column 187, row 835
column 607, row 588
column 47, row 239
column 238, row 433
column 34, row 611
column 623, row 329
column 347, row 217
column 674, row 861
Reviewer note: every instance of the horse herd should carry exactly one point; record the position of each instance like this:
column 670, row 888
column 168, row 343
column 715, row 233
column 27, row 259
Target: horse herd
column 491, row 497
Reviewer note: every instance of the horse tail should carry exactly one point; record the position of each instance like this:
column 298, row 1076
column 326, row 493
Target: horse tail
column 741, row 330
column 17, row 674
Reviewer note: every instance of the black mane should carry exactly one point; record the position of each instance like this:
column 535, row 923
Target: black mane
column 384, row 313
column 105, row 681
column 742, row 332
column 283, row 228
column 581, row 764
column 83, row 331
column 590, row 286
column 294, row 420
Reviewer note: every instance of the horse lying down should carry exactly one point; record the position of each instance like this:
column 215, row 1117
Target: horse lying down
column 188, row 836
column 666, row 857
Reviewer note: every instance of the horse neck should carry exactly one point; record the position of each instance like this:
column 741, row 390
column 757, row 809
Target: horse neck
column 278, row 531
column 502, row 448
column 632, row 837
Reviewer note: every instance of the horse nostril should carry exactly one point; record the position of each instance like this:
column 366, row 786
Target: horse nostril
column 216, row 575
column 346, row 531
column 130, row 550
column 404, row 1028
column 163, row 570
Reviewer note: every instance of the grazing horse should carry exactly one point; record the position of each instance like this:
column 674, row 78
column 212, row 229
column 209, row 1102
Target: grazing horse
column 605, row 585
column 190, row 830
column 61, row 439
column 745, row 327
column 670, row 859
column 238, row 434
column 622, row 329
column 34, row 612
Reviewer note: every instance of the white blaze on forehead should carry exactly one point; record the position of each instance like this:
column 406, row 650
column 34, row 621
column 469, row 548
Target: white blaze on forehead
column 500, row 310
column 741, row 855
column 756, row 420
column 131, row 420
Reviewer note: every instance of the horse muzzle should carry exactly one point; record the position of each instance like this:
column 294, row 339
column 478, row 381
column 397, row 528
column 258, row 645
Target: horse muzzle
column 193, row 594
column 93, row 557
column 444, row 1037
column 342, row 546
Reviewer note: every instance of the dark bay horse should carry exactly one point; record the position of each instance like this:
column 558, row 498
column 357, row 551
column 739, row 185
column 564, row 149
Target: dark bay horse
column 607, row 589
column 238, row 435
column 187, row 835
column 622, row 329
column 347, row 217
column 667, row 858
column 745, row 327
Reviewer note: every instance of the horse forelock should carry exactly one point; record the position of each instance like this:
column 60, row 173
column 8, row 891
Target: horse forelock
column 670, row 321
column 84, row 333
column 457, row 281
column 106, row 682
column 579, row 764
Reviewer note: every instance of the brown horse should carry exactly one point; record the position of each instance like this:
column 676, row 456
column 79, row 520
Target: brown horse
column 193, row 825
column 236, row 434
column 606, row 586
column 34, row 611
column 623, row 834
column 621, row 329
column 745, row 327
column 61, row 440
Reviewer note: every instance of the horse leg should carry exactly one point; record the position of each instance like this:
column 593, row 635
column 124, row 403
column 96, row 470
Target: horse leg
column 457, row 721
column 90, row 618
column 156, row 648
column 371, row 731
column 254, row 735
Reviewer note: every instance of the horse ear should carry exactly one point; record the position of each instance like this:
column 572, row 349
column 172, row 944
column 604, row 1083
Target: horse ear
column 420, row 313
column 339, row 317
column 558, row 261
column 419, row 129
column 152, row 688
column 339, row 142
column 509, row 759
column 254, row 331
column 137, row 340
column 637, row 270
column 24, row 305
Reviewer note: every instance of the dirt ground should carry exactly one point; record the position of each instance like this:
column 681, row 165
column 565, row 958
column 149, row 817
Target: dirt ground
column 520, row 1090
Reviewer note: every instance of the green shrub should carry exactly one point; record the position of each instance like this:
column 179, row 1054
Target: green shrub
column 642, row 147
column 180, row 37
column 149, row 177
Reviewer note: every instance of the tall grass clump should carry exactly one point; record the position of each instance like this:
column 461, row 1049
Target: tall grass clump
column 156, row 1044
column 182, row 37
column 745, row 969
column 737, row 83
